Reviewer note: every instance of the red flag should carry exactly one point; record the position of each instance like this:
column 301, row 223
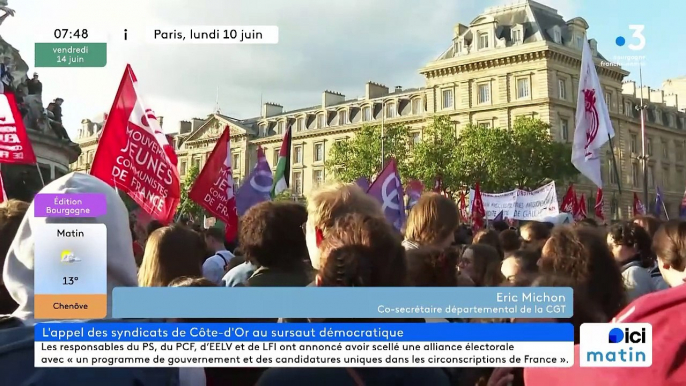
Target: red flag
column 478, row 210
column 639, row 208
column 462, row 206
column 569, row 201
column 15, row 147
column 599, row 203
column 134, row 156
column 582, row 213
column 3, row 194
column 214, row 190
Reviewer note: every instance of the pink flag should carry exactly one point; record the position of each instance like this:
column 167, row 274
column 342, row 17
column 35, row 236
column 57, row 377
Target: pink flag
column 415, row 188
column 388, row 189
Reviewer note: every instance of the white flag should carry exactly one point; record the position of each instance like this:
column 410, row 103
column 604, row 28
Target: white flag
column 593, row 125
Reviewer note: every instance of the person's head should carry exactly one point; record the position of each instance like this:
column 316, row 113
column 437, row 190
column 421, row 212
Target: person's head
column 650, row 223
column 481, row 263
column 187, row 281
column 327, row 205
column 500, row 226
column 534, row 233
column 432, row 267
column 582, row 254
column 271, row 234
column 510, row 241
column 520, row 262
column 171, row 252
column 214, row 238
column 489, row 237
column 669, row 245
column 18, row 272
column 11, row 214
column 59, row 101
column 588, row 222
column 630, row 242
column 152, row 226
column 362, row 251
column 35, row 76
column 432, row 221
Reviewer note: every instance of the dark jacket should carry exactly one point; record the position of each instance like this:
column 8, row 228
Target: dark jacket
column 280, row 277
column 34, row 87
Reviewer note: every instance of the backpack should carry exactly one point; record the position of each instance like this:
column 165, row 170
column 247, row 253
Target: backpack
column 17, row 365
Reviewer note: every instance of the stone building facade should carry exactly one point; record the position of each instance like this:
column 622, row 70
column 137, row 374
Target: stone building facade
column 510, row 61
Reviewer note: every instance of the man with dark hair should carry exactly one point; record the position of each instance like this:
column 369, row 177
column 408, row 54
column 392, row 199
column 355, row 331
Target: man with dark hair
column 34, row 86
column 500, row 226
column 271, row 235
column 216, row 266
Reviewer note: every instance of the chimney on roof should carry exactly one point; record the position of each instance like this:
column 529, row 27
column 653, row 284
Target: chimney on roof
column 657, row 96
column 629, row 88
column 375, row 90
column 594, row 46
column 398, row 88
column 160, row 120
column 185, row 127
column 271, row 109
column 672, row 100
column 330, row 98
column 459, row 30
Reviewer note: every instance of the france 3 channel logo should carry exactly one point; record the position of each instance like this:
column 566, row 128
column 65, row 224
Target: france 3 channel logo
column 616, row 345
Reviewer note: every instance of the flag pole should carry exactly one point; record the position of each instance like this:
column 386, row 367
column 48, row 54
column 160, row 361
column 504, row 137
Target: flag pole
column 383, row 131
column 665, row 209
column 40, row 174
column 644, row 156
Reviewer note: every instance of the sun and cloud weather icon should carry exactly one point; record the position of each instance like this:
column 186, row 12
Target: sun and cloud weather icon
column 68, row 256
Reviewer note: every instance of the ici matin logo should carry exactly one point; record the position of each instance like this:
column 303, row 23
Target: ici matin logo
column 616, row 345
column 636, row 43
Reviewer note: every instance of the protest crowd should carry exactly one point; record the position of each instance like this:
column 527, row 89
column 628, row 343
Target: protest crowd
column 345, row 235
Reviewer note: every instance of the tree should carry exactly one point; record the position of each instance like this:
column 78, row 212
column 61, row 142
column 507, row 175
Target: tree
column 435, row 156
column 360, row 156
column 186, row 205
column 286, row 195
column 523, row 157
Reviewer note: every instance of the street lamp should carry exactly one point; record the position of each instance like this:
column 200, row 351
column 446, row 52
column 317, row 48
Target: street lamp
column 644, row 155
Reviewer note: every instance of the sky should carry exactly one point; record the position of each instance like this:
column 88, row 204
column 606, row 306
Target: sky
column 323, row 45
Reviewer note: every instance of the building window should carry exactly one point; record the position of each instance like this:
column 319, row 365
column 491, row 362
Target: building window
column 390, row 110
column 458, row 47
column 672, row 122
column 447, row 99
column 665, row 177
column 483, row 41
column 517, row 36
column 416, row 138
column 522, row 88
column 366, row 114
column 317, row 178
column 651, row 176
column 679, row 151
column 275, row 156
column 196, row 162
column 416, row 106
column 562, row 89
column 579, row 42
column 320, row 121
column 557, row 36
column 263, row 130
column 236, row 182
column 633, row 143
column 564, row 129
column 658, row 116
column 183, row 167
column 627, row 109
column 236, row 161
column 318, row 152
column 342, row 117
column 608, row 99
column 665, row 150
column 484, row 93
column 649, row 146
column 300, row 125
column 611, row 170
column 297, row 154
column 484, row 124
column 634, row 174
column 279, row 127
column 297, row 184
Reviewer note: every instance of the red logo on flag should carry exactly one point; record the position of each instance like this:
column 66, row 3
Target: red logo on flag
column 593, row 120
column 15, row 147
column 135, row 157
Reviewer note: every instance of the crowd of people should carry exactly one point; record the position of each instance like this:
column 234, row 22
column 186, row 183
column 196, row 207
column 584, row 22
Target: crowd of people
column 630, row 271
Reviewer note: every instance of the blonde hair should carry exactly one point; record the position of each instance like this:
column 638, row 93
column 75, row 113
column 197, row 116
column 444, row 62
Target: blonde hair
column 171, row 252
column 432, row 219
column 333, row 201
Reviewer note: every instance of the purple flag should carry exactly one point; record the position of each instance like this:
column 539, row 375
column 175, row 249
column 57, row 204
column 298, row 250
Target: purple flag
column 499, row 217
column 257, row 187
column 363, row 183
column 415, row 188
column 388, row 189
